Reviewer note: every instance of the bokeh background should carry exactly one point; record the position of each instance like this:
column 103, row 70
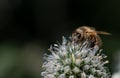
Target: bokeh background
column 29, row 27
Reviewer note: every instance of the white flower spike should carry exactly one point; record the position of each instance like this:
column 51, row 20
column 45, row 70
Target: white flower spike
column 71, row 60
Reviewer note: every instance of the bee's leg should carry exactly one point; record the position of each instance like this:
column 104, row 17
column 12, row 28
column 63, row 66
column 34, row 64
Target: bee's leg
column 98, row 41
column 92, row 40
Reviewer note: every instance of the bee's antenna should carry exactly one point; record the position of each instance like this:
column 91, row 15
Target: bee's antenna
column 104, row 33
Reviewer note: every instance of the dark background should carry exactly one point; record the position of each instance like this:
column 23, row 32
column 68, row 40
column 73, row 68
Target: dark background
column 29, row 27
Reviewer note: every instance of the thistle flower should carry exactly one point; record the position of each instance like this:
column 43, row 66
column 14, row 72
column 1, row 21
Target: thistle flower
column 71, row 60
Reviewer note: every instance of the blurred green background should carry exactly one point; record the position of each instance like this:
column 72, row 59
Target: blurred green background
column 29, row 27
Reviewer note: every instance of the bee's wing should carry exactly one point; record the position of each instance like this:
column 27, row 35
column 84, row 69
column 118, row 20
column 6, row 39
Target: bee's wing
column 104, row 33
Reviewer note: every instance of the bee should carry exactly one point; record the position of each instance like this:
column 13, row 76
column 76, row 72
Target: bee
column 84, row 33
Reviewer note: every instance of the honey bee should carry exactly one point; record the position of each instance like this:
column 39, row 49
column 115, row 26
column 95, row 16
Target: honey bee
column 84, row 33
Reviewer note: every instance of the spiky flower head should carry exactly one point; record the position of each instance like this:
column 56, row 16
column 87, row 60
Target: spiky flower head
column 71, row 60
